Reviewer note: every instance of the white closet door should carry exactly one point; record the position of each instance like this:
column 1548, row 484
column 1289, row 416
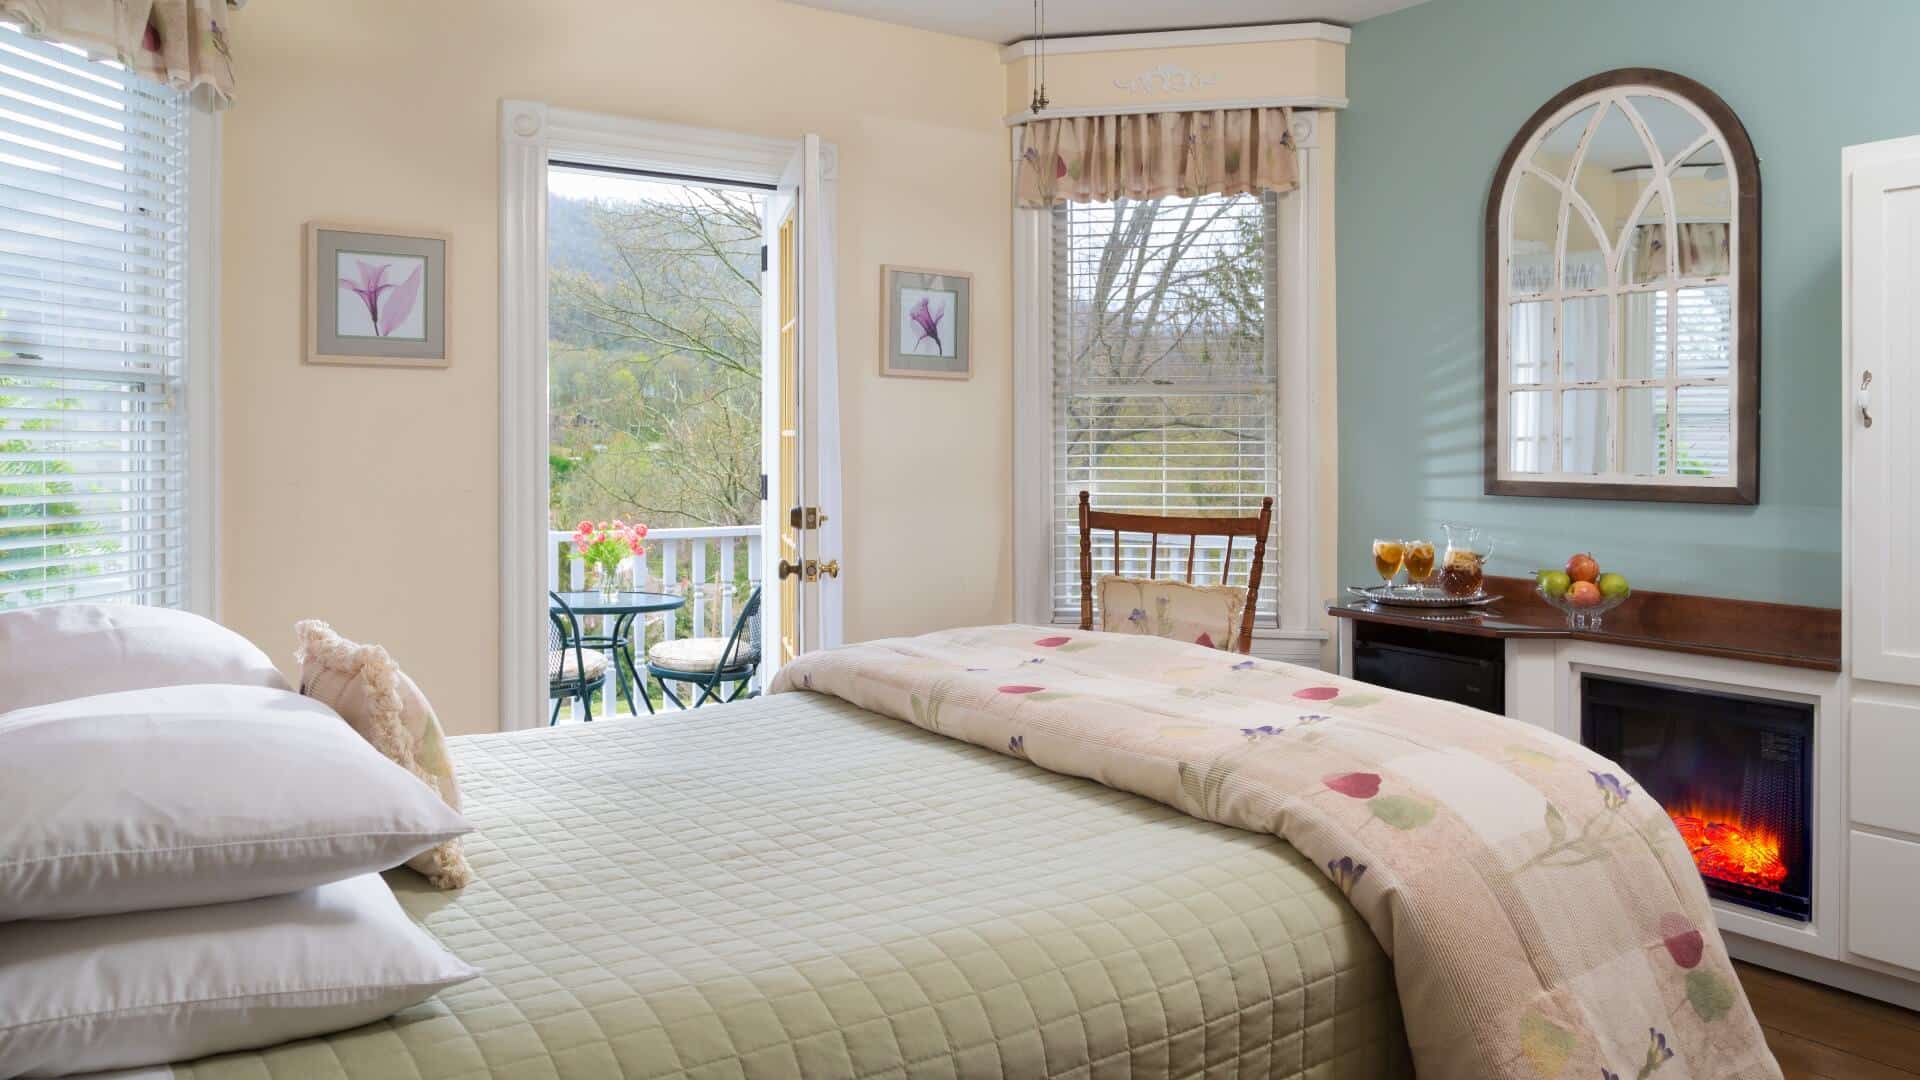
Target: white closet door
column 1883, row 267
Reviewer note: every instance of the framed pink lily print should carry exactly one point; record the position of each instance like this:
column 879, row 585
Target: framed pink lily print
column 926, row 323
column 376, row 296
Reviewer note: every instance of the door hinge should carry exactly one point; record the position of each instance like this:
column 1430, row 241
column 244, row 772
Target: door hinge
column 763, row 487
column 763, row 258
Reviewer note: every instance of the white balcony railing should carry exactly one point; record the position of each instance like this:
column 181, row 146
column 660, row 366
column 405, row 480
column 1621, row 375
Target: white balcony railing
column 714, row 567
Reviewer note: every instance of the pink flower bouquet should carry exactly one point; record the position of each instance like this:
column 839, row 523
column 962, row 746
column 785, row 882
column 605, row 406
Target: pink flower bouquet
column 605, row 545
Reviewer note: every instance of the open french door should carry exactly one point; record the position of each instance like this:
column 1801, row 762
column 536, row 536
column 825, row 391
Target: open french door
column 801, row 413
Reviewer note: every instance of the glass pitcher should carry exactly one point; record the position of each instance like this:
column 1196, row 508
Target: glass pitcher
column 1463, row 567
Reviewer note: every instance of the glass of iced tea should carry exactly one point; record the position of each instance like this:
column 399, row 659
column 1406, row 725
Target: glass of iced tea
column 1387, row 556
column 1464, row 565
column 1418, row 562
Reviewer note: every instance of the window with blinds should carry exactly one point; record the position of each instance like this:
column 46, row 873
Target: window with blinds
column 1165, row 380
column 93, row 310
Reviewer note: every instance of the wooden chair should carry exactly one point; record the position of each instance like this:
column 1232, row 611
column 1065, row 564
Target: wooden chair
column 1193, row 528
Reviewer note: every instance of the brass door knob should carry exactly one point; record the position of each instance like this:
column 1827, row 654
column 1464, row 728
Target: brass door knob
column 788, row 569
column 831, row 568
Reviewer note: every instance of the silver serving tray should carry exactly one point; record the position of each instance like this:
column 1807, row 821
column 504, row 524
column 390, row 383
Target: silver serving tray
column 1424, row 596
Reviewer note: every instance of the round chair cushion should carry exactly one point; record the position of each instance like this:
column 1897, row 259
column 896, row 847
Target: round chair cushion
column 696, row 656
column 569, row 670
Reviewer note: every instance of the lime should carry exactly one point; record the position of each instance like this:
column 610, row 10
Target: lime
column 1613, row 585
column 1555, row 583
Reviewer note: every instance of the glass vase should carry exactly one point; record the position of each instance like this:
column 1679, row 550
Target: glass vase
column 608, row 583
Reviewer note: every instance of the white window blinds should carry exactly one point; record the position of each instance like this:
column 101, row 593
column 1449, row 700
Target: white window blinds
column 1166, row 396
column 93, row 283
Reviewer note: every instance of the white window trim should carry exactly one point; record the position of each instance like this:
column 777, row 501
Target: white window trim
column 1299, row 636
column 203, row 364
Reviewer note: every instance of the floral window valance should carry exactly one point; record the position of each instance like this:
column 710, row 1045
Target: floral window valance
column 1151, row 155
column 179, row 43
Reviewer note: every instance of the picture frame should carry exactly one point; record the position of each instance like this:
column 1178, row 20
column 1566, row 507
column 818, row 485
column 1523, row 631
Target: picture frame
column 376, row 296
column 926, row 323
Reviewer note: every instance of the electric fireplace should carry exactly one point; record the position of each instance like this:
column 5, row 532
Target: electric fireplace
column 1735, row 774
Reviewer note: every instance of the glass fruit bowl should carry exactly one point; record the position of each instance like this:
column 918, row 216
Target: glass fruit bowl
column 1583, row 616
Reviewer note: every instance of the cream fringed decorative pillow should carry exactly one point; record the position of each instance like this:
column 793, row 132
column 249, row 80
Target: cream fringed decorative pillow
column 1202, row 614
column 369, row 691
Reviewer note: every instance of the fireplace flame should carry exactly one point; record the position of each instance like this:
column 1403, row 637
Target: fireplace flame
column 1728, row 849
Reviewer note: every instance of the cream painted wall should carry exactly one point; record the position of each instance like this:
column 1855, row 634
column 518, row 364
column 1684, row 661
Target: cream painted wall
column 369, row 497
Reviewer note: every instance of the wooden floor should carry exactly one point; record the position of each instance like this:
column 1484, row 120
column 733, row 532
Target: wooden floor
column 1819, row 1033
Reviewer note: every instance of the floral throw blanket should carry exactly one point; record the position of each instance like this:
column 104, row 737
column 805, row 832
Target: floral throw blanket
column 1544, row 918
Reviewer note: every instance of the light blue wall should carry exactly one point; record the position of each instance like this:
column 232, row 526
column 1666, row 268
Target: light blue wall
column 1437, row 91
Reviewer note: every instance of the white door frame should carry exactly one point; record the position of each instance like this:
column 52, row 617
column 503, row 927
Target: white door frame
column 533, row 134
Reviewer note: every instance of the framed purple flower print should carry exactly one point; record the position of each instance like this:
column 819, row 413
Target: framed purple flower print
column 926, row 323
column 376, row 296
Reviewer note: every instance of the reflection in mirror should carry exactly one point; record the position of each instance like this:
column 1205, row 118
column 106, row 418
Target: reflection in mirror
column 1531, row 428
column 1703, row 204
column 1643, row 430
column 1583, row 339
column 1555, row 152
column 1673, row 128
column 1535, row 217
column 1643, row 258
column 1615, row 285
column 1703, row 434
column 1643, row 336
column 1704, row 346
column 1586, row 262
column 1530, row 342
column 1584, row 431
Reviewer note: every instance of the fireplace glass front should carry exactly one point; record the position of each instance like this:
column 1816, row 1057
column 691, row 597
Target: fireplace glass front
column 1735, row 774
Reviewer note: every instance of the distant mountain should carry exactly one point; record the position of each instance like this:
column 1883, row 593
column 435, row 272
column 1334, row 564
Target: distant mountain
column 574, row 243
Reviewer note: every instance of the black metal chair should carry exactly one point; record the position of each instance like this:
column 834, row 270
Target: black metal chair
column 711, row 663
column 571, row 670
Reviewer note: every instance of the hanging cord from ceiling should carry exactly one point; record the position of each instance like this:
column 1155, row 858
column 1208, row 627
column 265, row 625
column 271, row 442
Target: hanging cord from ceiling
column 1037, row 65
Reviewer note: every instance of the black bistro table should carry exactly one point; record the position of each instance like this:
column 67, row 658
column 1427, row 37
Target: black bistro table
column 623, row 609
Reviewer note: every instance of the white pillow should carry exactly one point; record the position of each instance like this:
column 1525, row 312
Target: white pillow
column 196, row 795
column 72, row 650
column 158, row 986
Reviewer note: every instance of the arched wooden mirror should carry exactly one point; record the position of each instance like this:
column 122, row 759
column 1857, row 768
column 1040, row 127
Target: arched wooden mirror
column 1622, row 298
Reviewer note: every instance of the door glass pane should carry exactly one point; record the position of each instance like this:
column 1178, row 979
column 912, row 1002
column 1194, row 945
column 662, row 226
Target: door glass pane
column 1704, row 345
column 1643, row 430
column 1584, row 431
column 1643, row 336
column 1536, row 206
column 1530, row 342
column 1530, row 430
column 1583, row 339
column 1704, row 431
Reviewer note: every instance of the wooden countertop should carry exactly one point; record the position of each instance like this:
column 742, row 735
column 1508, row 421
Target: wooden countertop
column 1786, row 634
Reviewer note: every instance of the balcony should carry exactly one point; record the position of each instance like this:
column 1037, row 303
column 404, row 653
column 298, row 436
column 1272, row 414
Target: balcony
column 714, row 567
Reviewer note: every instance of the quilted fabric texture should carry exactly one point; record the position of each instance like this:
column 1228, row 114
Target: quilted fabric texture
column 795, row 887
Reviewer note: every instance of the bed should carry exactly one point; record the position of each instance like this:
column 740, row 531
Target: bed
column 794, row 886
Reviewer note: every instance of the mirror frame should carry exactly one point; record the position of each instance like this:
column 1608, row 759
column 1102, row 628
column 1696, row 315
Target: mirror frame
column 1744, row 488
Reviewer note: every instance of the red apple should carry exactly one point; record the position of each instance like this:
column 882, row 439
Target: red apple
column 1583, row 567
column 1584, row 594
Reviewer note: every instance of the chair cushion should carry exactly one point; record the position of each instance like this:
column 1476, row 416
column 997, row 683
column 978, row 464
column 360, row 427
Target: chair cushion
column 569, row 668
column 698, row 655
column 364, row 685
column 1203, row 614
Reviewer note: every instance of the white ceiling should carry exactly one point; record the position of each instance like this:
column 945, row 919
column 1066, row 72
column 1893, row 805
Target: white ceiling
column 1006, row 21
